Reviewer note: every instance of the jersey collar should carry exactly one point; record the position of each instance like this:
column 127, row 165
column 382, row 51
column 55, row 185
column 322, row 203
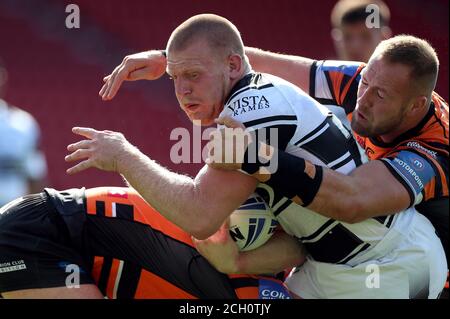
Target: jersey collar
column 408, row 134
column 246, row 80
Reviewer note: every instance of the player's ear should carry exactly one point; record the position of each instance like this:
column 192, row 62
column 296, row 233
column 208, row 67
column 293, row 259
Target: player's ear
column 235, row 65
column 419, row 103
column 416, row 105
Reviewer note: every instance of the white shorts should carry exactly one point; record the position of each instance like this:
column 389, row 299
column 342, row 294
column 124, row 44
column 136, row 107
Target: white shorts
column 416, row 268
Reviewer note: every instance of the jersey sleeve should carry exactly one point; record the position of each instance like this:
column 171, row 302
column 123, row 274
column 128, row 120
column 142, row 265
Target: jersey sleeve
column 335, row 83
column 421, row 173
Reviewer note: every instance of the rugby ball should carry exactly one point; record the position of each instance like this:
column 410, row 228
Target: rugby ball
column 252, row 224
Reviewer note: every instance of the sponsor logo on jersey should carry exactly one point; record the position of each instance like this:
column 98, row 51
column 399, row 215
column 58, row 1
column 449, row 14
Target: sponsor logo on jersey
column 269, row 289
column 406, row 167
column 248, row 104
column 418, row 163
column 420, row 147
column 117, row 193
column 12, row 266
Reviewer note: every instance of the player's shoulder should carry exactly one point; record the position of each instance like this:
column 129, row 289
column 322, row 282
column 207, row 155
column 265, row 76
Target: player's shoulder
column 340, row 66
column 415, row 155
column 439, row 100
column 257, row 96
column 440, row 108
column 253, row 84
column 68, row 201
column 432, row 132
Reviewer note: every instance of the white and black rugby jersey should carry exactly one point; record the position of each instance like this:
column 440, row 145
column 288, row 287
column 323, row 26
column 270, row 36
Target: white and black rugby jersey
column 309, row 130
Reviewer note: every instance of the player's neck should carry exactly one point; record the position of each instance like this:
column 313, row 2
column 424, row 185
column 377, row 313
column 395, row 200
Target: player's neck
column 234, row 82
column 237, row 79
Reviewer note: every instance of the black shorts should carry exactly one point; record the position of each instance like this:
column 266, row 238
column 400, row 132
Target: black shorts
column 35, row 246
column 45, row 237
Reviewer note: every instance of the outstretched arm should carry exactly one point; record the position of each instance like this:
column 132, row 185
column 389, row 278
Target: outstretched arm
column 148, row 65
column 294, row 69
column 368, row 191
column 151, row 65
column 199, row 206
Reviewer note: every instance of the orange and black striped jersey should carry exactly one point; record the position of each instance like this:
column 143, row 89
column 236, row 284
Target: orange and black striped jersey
column 110, row 237
column 177, row 271
column 418, row 158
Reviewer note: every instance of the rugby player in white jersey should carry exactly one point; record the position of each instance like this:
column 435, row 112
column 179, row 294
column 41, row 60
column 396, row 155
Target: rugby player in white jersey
column 205, row 58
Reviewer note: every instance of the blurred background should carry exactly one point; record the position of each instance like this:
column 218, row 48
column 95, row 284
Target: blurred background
column 55, row 73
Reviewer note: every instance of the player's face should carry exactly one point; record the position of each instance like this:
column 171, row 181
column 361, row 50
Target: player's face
column 201, row 81
column 356, row 42
column 383, row 93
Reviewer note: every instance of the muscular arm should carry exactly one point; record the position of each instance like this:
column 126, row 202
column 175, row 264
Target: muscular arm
column 150, row 65
column 200, row 205
column 292, row 68
column 281, row 252
column 368, row 191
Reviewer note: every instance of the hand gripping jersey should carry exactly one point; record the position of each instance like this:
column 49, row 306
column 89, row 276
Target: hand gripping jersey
column 306, row 129
column 419, row 158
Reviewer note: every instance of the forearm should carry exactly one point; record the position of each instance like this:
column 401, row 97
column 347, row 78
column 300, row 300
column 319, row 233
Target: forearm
column 295, row 69
column 200, row 205
column 340, row 197
column 368, row 191
column 174, row 196
column 282, row 251
column 356, row 197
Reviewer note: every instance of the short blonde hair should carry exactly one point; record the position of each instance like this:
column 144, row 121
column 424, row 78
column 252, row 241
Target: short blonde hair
column 415, row 53
column 220, row 34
